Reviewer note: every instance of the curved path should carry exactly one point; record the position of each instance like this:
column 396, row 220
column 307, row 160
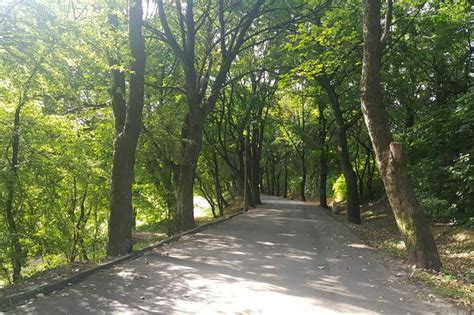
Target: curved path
column 285, row 257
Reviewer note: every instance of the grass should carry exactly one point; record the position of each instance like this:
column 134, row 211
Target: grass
column 447, row 285
column 394, row 248
column 455, row 246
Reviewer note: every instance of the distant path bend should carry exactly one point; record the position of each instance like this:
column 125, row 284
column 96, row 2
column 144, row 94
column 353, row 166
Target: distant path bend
column 285, row 257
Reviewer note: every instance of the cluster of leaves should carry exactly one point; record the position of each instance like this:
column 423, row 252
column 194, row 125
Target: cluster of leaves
column 54, row 79
column 426, row 75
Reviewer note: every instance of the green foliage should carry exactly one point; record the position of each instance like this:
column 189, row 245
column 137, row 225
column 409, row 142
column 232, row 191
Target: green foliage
column 431, row 108
column 437, row 208
column 54, row 70
column 339, row 190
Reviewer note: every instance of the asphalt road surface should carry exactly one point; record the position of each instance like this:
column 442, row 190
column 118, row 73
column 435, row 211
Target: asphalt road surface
column 285, row 257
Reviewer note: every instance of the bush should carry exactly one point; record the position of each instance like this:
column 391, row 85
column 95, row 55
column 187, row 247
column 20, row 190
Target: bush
column 438, row 209
column 462, row 174
column 339, row 190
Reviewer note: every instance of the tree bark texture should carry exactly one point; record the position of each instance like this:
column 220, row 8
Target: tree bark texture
column 255, row 155
column 353, row 203
column 412, row 223
column 200, row 101
column 303, row 175
column 192, row 143
column 16, row 254
column 121, row 211
column 247, row 193
column 323, row 161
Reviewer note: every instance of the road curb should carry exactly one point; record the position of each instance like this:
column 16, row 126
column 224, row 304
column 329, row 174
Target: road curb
column 8, row 302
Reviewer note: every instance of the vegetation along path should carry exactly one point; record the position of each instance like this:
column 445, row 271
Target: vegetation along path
column 286, row 256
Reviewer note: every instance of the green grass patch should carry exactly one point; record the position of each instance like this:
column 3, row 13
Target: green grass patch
column 394, row 248
column 447, row 285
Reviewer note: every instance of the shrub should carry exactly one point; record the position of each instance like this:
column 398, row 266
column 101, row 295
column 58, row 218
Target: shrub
column 339, row 191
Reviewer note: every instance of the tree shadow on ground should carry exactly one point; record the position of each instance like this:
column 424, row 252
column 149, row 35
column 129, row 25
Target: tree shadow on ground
column 284, row 257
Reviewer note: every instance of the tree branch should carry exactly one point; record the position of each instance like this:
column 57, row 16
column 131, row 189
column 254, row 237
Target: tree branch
column 167, row 31
column 388, row 22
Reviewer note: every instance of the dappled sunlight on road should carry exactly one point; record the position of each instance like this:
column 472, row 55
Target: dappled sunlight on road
column 283, row 258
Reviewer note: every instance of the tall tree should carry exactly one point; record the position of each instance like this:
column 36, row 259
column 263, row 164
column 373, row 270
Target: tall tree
column 410, row 218
column 326, row 49
column 323, row 157
column 128, row 120
column 193, row 41
column 296, row 115
column 353, row 202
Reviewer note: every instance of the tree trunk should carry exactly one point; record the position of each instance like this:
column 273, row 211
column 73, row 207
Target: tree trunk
column 121, row 211
column 285, row 179
column 117, row 87
column 255, row 165
column 366, row 170
column 246, row 172
column 273, row 176
column 245, row 188
column 16, row 248
column 370, row 176
column 257, row 144
column 201, row 95
column 353, row 210
column 323, row 161
column 413, row 225
column 218, row 187
column 353, row 203
column 267, row 176
column 303, row 175
column 323, row 176
column 248, row 167
column 208, row 196
column 277, row 183
column 252, row 170
column 192, row 142
column 17, row 255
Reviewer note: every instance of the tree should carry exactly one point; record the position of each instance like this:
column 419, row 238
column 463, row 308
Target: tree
column 297, row 123
column 411, row 221
column 193, row 42
column 326, row 46
column 323, row 156
column 51, row 178
column 128, row 121
column 216, row 70
column 353, row 202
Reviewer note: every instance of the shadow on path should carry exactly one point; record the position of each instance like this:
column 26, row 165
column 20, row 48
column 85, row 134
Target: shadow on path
column 283, row 257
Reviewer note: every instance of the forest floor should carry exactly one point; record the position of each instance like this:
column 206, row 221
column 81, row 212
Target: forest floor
column 282, row 257
column 455, row 246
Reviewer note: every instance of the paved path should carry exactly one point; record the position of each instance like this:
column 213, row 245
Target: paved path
column 286, row 257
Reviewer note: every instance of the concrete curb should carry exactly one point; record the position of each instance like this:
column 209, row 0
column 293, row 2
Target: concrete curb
column 6, row 303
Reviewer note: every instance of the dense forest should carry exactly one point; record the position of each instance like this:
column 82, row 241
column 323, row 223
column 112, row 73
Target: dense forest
column 115, row 115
